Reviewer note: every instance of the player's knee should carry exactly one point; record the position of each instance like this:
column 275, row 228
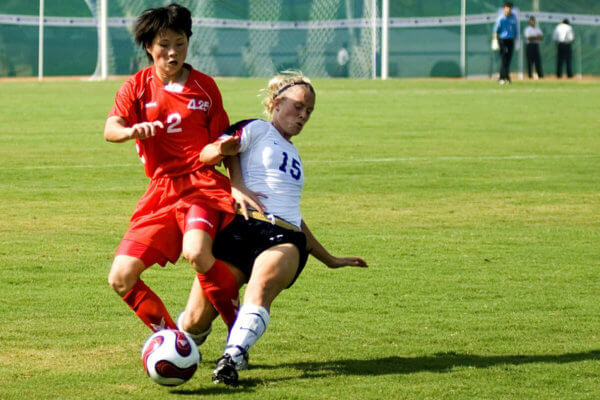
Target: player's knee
column 118, row 283
column 201, row 261
column 121, row 278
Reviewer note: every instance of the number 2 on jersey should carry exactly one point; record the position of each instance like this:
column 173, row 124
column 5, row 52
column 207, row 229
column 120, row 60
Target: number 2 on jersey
column 295, row 171
column 173, row 122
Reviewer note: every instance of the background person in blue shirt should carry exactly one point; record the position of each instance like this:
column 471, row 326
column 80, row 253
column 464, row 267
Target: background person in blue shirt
column 506, row 31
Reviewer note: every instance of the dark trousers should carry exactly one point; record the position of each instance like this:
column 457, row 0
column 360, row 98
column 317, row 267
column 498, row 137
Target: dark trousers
column 534, row 60
column 506, row 52
column 564, row 57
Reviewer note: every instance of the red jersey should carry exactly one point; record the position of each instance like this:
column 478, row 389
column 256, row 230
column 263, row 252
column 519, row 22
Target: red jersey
column 192, row 115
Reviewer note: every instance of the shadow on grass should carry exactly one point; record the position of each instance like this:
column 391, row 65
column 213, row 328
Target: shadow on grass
column 215, row 390
column 439, row 362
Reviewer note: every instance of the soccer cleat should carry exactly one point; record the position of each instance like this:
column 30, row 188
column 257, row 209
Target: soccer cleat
column 243, row 363
column 240, row 359
column 225, row 372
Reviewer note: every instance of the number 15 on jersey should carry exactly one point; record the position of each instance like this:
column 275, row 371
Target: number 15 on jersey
column 294, row 168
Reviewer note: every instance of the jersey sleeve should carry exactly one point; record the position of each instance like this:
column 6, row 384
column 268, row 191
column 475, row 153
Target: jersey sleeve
column 496, row 28
column 246, row 130
column 125, row 103
column 241, row 131
column 247, row 136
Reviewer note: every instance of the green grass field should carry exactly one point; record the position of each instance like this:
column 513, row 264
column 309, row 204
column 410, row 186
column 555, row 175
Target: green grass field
column 476, row 206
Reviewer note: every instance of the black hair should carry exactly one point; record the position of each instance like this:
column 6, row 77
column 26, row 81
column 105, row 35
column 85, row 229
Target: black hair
column 508, row 4
column 565, row 21
column 155, row 20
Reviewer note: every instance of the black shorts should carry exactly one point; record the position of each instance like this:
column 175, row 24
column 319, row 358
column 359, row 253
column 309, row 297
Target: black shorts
column 242, row 241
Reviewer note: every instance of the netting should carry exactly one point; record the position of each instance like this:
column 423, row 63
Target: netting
column 320, row 37
column 425, row 36
column 230, row 38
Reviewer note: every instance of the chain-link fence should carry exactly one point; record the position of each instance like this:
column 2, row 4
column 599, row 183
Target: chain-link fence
column 339, row 38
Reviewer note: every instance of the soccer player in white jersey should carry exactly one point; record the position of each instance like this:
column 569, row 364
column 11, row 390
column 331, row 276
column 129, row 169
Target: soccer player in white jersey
column 271, row 243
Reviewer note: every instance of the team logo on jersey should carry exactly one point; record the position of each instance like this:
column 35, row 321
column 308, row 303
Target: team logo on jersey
column 201, row 105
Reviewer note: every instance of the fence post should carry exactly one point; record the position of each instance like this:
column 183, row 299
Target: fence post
column 103, row 15
column 463, row 38
column 41, row 42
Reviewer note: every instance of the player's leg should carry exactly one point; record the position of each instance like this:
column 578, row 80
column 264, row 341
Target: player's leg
column 510, row 48
column 196, row 320
column 559, row 60
column 529, row 50
column 124, row 278
column 273, row 271
column 538, row 63
column 505, row 55
column 217, row 282
column 568, row 60
column 502, row 59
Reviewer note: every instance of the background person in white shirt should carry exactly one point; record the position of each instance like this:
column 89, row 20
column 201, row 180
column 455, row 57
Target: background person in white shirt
column 563, row 36
column 533, row 35
column 342, row 59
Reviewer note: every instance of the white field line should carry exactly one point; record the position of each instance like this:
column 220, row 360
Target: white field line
column 462, row 158
column 348, row 161
column 77, row 166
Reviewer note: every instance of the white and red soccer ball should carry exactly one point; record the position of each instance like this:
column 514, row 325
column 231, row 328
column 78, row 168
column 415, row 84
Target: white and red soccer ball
column 169, row 357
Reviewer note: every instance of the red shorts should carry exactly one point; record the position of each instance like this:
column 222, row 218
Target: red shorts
column 172, row 206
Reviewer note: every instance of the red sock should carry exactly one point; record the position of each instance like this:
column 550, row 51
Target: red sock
column 148, row 306
column 220, row 287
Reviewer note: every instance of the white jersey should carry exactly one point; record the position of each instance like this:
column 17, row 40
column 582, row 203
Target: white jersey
column 531, row 34
column 563, row 33
column 271, row 165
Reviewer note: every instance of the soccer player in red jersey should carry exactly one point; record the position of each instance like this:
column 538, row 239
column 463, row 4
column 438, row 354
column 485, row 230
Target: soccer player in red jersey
column 172, row 111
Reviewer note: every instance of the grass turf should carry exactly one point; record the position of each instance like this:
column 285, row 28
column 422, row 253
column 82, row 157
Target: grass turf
column 475, row 205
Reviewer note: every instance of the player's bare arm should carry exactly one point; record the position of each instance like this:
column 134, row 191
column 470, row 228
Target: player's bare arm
column 243, row 196
column 320, row 253
column 115, row 130
column 213, row 153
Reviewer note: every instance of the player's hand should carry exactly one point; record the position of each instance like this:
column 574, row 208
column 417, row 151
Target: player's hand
column 144, row 130
column 245, row 198
column 339, row 262
column 229, row 146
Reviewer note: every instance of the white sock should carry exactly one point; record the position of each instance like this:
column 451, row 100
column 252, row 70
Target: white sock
column 250, row 324
column 198, row 338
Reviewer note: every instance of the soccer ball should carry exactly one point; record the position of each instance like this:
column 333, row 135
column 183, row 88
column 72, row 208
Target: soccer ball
column 169, row 357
